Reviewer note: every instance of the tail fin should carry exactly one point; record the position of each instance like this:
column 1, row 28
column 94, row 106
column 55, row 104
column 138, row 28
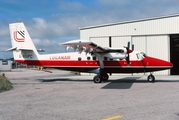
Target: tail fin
column 22, row 45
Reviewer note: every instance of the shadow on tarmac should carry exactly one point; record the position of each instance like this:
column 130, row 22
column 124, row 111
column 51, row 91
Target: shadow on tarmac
column 126, row 83
column 62, row 79
column 123, row 83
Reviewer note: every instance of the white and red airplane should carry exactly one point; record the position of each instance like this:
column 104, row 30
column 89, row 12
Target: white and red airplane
column 89, row 57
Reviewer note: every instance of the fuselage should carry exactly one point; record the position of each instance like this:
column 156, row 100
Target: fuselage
column 83, row 62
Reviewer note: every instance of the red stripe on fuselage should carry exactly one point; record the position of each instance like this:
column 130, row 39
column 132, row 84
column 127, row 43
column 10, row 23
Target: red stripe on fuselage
column 147, row 62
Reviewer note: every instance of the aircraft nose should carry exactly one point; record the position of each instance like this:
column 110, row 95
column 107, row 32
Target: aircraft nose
column 158, row 62
column 169, row 64
column 165, row 63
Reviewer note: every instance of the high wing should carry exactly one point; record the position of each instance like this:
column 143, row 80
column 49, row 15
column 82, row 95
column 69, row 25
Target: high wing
column 89, row 47
column 84, row 45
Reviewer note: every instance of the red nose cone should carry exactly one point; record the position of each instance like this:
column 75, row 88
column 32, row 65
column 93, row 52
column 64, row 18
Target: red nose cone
column 129, row 51
column 150, row 61
column 169, row 64
column 165, row 64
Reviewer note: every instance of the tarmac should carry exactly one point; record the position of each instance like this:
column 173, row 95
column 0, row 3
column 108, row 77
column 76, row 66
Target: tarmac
column 62, row 95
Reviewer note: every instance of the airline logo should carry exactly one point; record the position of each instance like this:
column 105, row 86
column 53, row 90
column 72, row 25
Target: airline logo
column 60, row 57
column 19, row 36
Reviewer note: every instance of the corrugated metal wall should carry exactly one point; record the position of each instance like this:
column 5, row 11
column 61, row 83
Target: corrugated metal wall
column 102, row 41
column 160, row 26
column 139, row 43
column 120, row 41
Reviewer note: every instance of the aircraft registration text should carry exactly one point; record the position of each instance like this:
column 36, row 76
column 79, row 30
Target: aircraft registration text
column 25, row 55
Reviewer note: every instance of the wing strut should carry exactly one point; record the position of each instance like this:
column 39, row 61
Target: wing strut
column 102, row 75
column 100, row 61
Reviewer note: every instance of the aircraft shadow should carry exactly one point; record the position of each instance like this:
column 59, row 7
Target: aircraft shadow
column 63, row 79
column 123, row 83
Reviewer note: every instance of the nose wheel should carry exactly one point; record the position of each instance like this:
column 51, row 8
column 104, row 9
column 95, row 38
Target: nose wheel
column 100, row 78
column 151, row 78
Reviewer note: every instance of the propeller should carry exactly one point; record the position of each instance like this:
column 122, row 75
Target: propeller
column 129, row 51
column 132, row 47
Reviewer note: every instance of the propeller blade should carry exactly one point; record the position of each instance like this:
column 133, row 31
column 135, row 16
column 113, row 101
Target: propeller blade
column 128, row 60
column 128, row 45
column 128, row 51
column 132, row 46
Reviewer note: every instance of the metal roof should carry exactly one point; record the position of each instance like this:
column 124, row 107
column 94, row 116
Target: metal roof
column 126, row 22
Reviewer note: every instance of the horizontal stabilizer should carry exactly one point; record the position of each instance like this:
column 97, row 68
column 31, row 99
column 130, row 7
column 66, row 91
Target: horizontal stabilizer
column 11, row 49
column 22, row 49
column 25, row 49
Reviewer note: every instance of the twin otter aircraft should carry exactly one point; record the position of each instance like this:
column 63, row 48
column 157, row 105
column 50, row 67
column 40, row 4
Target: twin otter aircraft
column 89, row 57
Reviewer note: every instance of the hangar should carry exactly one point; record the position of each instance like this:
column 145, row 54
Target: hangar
column 157, row 37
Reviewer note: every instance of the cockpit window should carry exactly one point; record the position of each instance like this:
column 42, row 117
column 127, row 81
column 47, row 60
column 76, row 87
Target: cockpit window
column 141, row 55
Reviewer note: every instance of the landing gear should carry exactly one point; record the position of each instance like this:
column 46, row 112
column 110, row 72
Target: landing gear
column 100, row 78
column 151, row 78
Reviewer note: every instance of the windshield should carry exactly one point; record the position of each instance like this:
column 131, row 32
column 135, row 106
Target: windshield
column 141, row 55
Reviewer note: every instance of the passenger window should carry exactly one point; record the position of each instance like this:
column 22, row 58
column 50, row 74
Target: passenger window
column 105, row 58
column 88, row 58
column 79, row 58
column 94, row 58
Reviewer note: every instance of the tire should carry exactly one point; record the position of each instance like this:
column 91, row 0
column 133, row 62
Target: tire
column 105, row 77
column 97, row 79
column 151, row 78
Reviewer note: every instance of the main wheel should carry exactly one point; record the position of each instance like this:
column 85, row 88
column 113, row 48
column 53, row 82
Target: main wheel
column 97, row 79
column 105, row 77
column 151, row 78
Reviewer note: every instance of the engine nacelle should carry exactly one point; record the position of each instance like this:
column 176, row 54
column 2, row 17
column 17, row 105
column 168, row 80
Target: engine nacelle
column 115, row 55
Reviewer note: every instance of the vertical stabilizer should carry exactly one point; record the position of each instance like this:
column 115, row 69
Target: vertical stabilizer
column 22, row 45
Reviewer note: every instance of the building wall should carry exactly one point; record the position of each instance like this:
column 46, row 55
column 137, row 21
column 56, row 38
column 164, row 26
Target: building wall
column 150, row 35
column 5, row 65
column 103, row 41
column 163, row 25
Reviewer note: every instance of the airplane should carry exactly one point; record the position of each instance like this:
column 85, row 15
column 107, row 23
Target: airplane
column 88, row 57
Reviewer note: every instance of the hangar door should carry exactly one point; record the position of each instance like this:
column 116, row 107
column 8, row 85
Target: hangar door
column 120, row 42
column 101, row 41
column 115, row 42
column 174, row 54
column 155, row 46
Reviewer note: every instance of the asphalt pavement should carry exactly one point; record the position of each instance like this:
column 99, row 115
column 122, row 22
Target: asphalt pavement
column 62, row 95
